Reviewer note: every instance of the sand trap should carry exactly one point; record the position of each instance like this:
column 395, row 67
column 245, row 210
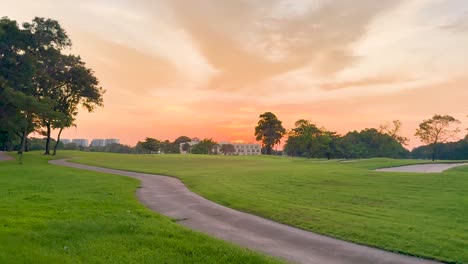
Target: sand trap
column 424, row 168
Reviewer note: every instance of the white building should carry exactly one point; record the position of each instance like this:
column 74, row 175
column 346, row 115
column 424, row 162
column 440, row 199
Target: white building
column 241, row 149
column 65, row 141
column 112, row 141
column 81, row 142
column 98, row 143
column 104, row 142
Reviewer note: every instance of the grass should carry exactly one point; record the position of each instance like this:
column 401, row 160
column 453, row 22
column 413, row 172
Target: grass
column 418, row 214
column 51, row 214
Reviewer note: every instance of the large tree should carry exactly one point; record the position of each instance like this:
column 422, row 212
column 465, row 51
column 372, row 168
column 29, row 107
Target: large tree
column 307, row 140
column 227, row 149
column 78, row 86
column 62, row 78
column 151, row 145
column 43, row 87
column 438, row 129
column 269, row 131
column 205, row 146
column 19, row 105
column 393, row 129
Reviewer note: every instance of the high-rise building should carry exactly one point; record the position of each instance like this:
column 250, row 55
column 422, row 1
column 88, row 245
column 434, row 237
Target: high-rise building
column 98, row 143
column 112, row 141
column 81, row 142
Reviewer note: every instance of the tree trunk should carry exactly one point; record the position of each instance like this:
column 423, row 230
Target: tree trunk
column 58, row 141
column 47, row 146
column 23, row 144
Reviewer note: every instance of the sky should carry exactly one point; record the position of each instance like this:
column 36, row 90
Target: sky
column 208, row 68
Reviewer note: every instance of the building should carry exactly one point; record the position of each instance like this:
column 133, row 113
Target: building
column 98, row 143
column 104, row 142
column 241, row 149
column 112, row 141
column 191, row 144
column 81, row 142
column 65, row 141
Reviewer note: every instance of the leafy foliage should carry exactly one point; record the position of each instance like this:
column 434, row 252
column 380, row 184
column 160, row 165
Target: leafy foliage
column 269, row 131
column 205, row 146
column 436, row 130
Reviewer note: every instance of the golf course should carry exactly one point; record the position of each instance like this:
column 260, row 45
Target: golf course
column 420, row 214
column 51, row 214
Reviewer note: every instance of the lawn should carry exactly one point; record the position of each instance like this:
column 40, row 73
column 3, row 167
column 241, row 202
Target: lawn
column 418, row 214
column 51, row 214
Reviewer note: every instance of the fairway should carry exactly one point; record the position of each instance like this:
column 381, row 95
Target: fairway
column 411, row 213
column 50, row 214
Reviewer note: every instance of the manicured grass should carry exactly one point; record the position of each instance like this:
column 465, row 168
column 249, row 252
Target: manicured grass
column 418, row 214
column 51, row 214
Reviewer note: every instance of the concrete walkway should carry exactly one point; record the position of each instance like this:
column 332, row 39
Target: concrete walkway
column 424, row 168
column 4, row 157
column 170, row 197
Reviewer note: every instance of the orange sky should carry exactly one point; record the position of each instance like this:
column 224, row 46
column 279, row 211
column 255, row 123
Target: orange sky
column 209, row 68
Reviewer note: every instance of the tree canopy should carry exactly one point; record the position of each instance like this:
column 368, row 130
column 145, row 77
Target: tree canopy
column 438, row 129
column 269, row 131
column 41, row 86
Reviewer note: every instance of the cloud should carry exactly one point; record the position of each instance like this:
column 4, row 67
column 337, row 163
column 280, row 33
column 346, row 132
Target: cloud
column 248, row 42
column 457, row 25
column 370, row 81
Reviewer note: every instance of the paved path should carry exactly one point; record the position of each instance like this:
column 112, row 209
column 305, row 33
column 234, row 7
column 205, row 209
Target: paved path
column 170, row 197
column 4, row 156
column 424, row 168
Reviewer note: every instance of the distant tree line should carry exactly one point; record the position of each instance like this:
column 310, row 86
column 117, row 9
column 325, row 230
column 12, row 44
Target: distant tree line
column 308, row 140
column 41, row 84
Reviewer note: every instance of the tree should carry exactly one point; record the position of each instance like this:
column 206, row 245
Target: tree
column 78, row 87
column 205, row 146
column 178, row 141
column 186, row 147
column 63, row 79
column 18, row 106
column 394, row 129
column 48, row 39
column 152, row 145
column 42, row 86
column 227, row 149
column 436, row 130
column 303, row 139
column 269, row 131
column 369, row 143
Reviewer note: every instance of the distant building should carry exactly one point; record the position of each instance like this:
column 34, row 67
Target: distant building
column 241, row 149
column 98, row 143
column 65, row 141
column 112, row 141
column 246, row 149
column 81, row 142
column 191, row 144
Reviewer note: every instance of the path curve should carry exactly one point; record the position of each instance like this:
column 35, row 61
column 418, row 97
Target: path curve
column 4, row 157
column 170, row 197
column 424, row 168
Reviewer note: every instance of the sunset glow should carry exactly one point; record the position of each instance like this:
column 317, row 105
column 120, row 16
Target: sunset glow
column 207, row 69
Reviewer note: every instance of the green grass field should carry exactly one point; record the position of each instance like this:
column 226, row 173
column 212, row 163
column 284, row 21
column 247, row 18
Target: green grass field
column 51, row 214
column 417, row 214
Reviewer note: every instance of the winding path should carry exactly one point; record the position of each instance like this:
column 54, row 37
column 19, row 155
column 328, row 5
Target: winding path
column 4, row 157
column 170, row 197
column 424, row 168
